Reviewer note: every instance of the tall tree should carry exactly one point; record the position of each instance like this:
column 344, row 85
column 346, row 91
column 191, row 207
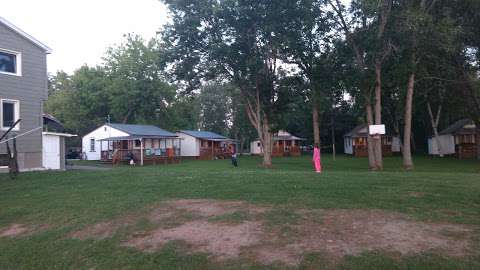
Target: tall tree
column 421, row 22
column 215, row 107
column 308, row 38
column 137, row 89
column 367, row 35
column 240, row 41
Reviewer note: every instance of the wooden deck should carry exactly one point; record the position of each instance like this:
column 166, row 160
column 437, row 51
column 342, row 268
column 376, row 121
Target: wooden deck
column 150, row 156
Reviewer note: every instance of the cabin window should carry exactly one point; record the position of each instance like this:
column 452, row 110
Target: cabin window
column 10, row 113
column 10, row 62
column 92, row 145
column 258, row 144
column 461, row 139
column 137, row 143
column 387, row 140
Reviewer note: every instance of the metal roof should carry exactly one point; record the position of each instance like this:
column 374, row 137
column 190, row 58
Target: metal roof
column 357, row 131
column 362, row 131
column 136, row 137
column 206, row 135
column 288, row 138
column 25, row 35
column 460, row 127
column 142, row 130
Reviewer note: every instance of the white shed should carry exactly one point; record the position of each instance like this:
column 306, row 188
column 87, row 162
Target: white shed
column 53, row 154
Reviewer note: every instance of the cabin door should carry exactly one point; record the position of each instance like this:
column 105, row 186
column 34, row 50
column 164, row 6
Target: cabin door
column 124, row 145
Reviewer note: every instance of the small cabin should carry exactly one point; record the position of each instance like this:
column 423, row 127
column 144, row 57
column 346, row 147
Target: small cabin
column 355, row 142
column 119, row 143
column 457, row 140
column 205, row 145
column 284, row 144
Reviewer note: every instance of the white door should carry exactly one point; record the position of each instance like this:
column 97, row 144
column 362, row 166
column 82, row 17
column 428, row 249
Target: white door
column 51, row 152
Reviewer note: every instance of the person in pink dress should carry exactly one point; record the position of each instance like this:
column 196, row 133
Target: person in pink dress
column 316, row 159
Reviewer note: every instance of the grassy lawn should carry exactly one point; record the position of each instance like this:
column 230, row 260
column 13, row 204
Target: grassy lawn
column 439, row 190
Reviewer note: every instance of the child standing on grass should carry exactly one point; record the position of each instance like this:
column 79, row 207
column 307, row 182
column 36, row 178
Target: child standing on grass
column 234, row 159
column 316, row 159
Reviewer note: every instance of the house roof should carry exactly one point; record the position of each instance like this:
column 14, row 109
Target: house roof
column 52, row 123
column 463, row 126
column 358, row 131
column 25, row 35
column 361, row 131
column 288, row 138
column 142, row 130
column 206, row 135
column 283, row 135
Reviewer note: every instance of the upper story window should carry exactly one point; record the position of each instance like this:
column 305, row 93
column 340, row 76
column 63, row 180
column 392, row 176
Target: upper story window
column 10, row 110
column 10, row 62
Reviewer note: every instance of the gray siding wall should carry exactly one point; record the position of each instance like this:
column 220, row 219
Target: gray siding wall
column 30, row 89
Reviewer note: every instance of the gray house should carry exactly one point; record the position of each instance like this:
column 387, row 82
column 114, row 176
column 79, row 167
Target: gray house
column 23, row 88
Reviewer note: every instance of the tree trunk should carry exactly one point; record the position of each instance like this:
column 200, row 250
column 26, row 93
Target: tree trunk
column 434, row 120
column 316, row 126
column 262, row 124
column 370, row 146
column 477, row 138
column 407, row 130
column 267, row 144
column 378, row 115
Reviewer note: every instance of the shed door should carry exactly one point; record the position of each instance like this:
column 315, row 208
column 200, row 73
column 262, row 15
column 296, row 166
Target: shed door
column 51, row 152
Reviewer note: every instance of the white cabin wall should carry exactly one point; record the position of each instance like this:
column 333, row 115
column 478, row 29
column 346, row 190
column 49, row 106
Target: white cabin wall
column 396, row 144
column 190, row 145
column 98, row 134
column 447, row 143
column 348, row 145
column 255, row 149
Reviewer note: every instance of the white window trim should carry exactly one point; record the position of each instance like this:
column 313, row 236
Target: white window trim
column 94, row 145
column 18, row 62
column 16, row 107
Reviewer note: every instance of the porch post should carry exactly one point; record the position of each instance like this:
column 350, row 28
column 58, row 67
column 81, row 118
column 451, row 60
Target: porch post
column 141, row 151
column 101, row 157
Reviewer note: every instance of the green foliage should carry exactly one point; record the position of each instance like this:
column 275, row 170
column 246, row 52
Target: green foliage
column 137, row 91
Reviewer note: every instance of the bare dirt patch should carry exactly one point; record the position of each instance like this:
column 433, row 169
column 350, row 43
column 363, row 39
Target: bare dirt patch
column 351, row 232
column 13, row 230
column 238, row 230
column 105, row 229
column 21, row 229
column 225, row 241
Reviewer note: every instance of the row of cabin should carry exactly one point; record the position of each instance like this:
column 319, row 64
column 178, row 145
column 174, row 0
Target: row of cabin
column 147, row 144
column 456, row 140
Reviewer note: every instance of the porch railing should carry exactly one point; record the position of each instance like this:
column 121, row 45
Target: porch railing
column 124, row 154
column 209, row 153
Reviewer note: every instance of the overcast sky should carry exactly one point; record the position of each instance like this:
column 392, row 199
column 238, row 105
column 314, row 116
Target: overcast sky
column 80, row 31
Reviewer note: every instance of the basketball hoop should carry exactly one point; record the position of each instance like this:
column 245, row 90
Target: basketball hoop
column 376, row 131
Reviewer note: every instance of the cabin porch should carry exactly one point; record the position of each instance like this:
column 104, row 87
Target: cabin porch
column 283, row 148
column 220, row 149
column 143, row 150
